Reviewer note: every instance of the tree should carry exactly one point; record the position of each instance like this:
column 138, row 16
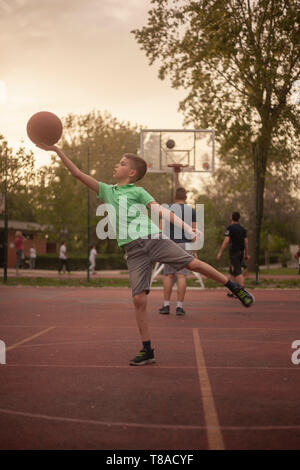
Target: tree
column 228, row 190
column 21, row 180
column 238, row 60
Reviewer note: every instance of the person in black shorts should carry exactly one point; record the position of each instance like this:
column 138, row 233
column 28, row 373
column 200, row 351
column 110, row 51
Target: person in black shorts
column 236, row 238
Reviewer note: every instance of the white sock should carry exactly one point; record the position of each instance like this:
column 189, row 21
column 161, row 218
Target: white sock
column 166, row 303
column 180, row 304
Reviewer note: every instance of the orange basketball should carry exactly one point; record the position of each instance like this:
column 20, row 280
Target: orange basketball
column 44, row 128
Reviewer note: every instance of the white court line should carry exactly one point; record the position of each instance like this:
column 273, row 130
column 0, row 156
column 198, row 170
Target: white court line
column 214, row 435
column 158, row 340
column 184, row 328
column 146, row 426
column 13, row 346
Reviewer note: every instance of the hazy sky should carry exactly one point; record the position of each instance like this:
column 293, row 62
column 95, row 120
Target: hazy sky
column 75, row 56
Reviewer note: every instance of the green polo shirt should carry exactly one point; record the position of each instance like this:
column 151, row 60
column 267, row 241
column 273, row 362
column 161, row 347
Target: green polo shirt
column 127, row 211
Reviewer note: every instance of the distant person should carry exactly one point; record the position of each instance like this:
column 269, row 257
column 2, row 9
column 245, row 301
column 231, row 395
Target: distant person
column 19, row 244
column 236, row 238
column 297, row 255
column 32, row 257
column 92, row 259
column 188, row 215
column 63, row 259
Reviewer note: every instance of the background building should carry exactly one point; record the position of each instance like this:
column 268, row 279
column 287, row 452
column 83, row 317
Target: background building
column 34, row 234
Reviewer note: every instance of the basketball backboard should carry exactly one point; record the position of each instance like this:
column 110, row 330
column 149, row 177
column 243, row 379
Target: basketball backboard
column 192, row 149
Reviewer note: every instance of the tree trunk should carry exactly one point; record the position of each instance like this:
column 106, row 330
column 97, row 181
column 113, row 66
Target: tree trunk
column 260, row 151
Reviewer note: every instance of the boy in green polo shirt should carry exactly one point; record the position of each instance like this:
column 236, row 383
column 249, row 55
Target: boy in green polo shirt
column 142, row 240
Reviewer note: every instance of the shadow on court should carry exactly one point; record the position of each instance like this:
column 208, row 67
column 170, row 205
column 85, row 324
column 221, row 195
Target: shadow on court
column 224, row 378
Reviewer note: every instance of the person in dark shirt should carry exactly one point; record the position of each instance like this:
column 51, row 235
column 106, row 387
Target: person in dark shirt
column 188, row 214
column 236, row 238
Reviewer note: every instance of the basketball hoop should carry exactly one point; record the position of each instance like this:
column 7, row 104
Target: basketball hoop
column 177, row 166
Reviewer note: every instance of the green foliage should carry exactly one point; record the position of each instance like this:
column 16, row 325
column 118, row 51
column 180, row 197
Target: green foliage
column 21, row 181
column 230, row 190
column 238, row 61
column 214, row 224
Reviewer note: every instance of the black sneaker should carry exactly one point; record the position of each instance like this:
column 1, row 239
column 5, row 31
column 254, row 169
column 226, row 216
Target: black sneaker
column 165, row 310
column 244, row 296
column 143, row 357
column 180, row 311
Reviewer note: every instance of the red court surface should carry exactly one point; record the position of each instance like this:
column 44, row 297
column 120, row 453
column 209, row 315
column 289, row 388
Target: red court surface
column 223, row 379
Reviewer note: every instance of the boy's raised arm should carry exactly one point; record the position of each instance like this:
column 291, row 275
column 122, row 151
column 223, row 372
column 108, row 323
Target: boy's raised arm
column 74, row 170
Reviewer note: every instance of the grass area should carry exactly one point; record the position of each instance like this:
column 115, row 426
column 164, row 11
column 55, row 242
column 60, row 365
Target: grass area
column 251, row 284
column 271, row 271
column 44, row 282
column 279, row 271
column 109, row 282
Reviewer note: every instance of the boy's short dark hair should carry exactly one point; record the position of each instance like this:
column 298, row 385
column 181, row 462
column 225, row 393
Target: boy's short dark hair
column 138, row 164
column 235, row 216
column 180, row 194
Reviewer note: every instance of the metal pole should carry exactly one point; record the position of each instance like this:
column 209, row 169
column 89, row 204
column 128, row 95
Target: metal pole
column 5, row 218
column 257, row 218
column 88, row 218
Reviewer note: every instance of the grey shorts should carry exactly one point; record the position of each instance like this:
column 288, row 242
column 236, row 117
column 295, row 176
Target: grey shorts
column 169, row 269
column 142, row 253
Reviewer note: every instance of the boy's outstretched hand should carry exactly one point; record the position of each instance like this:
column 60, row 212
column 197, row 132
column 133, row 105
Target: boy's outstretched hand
column 197, row 233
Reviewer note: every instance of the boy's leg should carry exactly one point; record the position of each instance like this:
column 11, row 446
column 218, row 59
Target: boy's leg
column 146, row 355
column 140, row 306
column 208, row 271
column 232, row 278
